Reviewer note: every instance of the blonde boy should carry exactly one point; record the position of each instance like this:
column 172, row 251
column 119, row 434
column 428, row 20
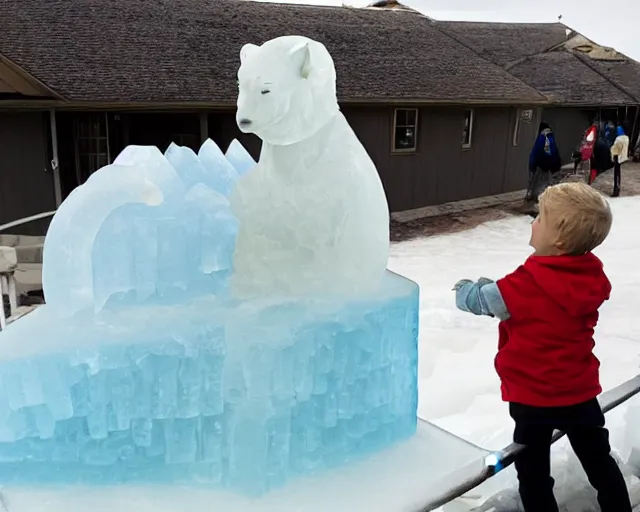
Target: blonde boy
column 548, row 309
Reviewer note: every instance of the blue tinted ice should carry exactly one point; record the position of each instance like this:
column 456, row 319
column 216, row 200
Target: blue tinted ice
column 223, row 175
column 239, row 157
column 145, row 228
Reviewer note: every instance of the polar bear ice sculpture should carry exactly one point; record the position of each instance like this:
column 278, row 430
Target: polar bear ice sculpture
column 313, row 210
column 142, row 368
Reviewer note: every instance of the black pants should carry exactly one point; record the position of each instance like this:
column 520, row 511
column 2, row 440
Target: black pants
column 538, row 181
column 616, row 178
column 584, row 426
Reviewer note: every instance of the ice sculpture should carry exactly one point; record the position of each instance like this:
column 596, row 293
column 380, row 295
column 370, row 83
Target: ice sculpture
column 239, row 157
column 330, row 232
column 143, row 367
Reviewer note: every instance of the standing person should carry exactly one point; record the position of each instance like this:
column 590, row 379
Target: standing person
column 601, row 160
column 620, row 154
column 548, row 309
column 544, row 158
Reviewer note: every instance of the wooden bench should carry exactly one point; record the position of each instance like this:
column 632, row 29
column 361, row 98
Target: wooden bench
column 8, row 266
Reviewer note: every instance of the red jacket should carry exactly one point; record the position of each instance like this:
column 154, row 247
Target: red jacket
column 545, row 349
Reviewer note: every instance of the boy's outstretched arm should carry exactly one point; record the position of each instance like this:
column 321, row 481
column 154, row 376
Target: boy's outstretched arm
column 480, row 298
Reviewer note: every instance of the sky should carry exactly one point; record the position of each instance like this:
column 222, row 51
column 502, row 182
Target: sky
column 610, row 23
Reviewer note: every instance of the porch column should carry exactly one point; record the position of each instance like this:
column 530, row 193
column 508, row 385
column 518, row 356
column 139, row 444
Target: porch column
column 204, row 126
column 55, row 165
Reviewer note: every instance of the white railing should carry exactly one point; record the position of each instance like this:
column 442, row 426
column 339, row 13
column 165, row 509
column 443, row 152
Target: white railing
column 7, row 276
column 26, row 220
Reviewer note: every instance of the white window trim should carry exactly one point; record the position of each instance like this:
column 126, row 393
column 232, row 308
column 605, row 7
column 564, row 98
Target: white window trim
column 393, row 132
column 467, row 145
column 516, row 130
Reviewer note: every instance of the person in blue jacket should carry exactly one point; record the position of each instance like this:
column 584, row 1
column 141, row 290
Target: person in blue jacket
column 544, row 158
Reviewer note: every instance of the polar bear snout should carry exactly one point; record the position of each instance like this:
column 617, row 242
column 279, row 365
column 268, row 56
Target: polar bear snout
column 244, row 123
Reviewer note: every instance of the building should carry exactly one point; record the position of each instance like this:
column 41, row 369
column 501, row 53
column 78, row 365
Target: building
column 81, row 80
column 582, row 79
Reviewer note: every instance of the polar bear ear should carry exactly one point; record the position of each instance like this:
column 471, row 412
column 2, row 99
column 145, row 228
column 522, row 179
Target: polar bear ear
column 247, row 50
column 301, row 54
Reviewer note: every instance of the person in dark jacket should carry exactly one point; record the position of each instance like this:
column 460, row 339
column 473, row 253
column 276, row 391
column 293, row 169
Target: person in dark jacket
column 543, row 159
column 601, row 160
column 548, row 309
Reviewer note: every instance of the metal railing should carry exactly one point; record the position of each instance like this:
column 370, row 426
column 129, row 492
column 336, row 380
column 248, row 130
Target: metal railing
column 495, row 462
column 26, row 220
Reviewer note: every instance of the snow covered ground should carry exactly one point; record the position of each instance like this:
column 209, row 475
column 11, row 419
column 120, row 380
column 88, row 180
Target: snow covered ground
column 459, row 390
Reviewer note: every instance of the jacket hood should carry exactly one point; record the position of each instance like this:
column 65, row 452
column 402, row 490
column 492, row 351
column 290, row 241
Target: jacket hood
column 543, row 126
column 577, row 284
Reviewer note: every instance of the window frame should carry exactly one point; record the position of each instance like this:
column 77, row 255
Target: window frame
column 472, row 118
column 404, row 151
column 90, row 129
column 516, row 130
column 521, row 119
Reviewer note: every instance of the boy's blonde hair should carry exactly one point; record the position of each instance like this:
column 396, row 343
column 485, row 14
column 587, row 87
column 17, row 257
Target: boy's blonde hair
column 579, row 214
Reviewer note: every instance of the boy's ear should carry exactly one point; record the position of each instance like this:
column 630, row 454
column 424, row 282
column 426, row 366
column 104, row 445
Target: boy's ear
column 560, row 246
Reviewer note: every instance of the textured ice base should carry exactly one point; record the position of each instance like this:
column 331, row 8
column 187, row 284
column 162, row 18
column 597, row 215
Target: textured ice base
column 398, row 479
column 242, row 396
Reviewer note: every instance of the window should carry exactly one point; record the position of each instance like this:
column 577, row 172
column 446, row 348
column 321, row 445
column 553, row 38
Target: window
column 92, row 144
column 467, row 130
column 405, row 130
column 524, row 116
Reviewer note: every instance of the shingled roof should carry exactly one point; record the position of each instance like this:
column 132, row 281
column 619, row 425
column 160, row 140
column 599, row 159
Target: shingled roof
column 625, row 73
column 536, row 53
column 504, row 43
column 187, row 51
column 566, row 79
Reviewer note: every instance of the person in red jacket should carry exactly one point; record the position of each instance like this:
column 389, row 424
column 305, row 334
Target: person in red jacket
column 549, row 375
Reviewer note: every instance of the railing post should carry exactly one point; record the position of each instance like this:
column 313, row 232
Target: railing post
column 55, row 164
column 3, row 318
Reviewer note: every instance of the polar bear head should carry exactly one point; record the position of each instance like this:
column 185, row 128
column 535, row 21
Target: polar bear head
column 287, row 89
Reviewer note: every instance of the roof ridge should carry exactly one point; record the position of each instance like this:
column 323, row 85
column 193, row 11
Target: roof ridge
column 550, row 49
column 586, row 62
column 310, row 5
column 451, row 36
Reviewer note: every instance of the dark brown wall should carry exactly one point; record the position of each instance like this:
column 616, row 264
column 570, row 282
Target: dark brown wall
column 569, row 125
column 441, row 170
column 26, row 181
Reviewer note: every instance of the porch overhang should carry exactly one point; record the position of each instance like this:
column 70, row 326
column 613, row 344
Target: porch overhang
column 163, row 106
column 16, row 81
